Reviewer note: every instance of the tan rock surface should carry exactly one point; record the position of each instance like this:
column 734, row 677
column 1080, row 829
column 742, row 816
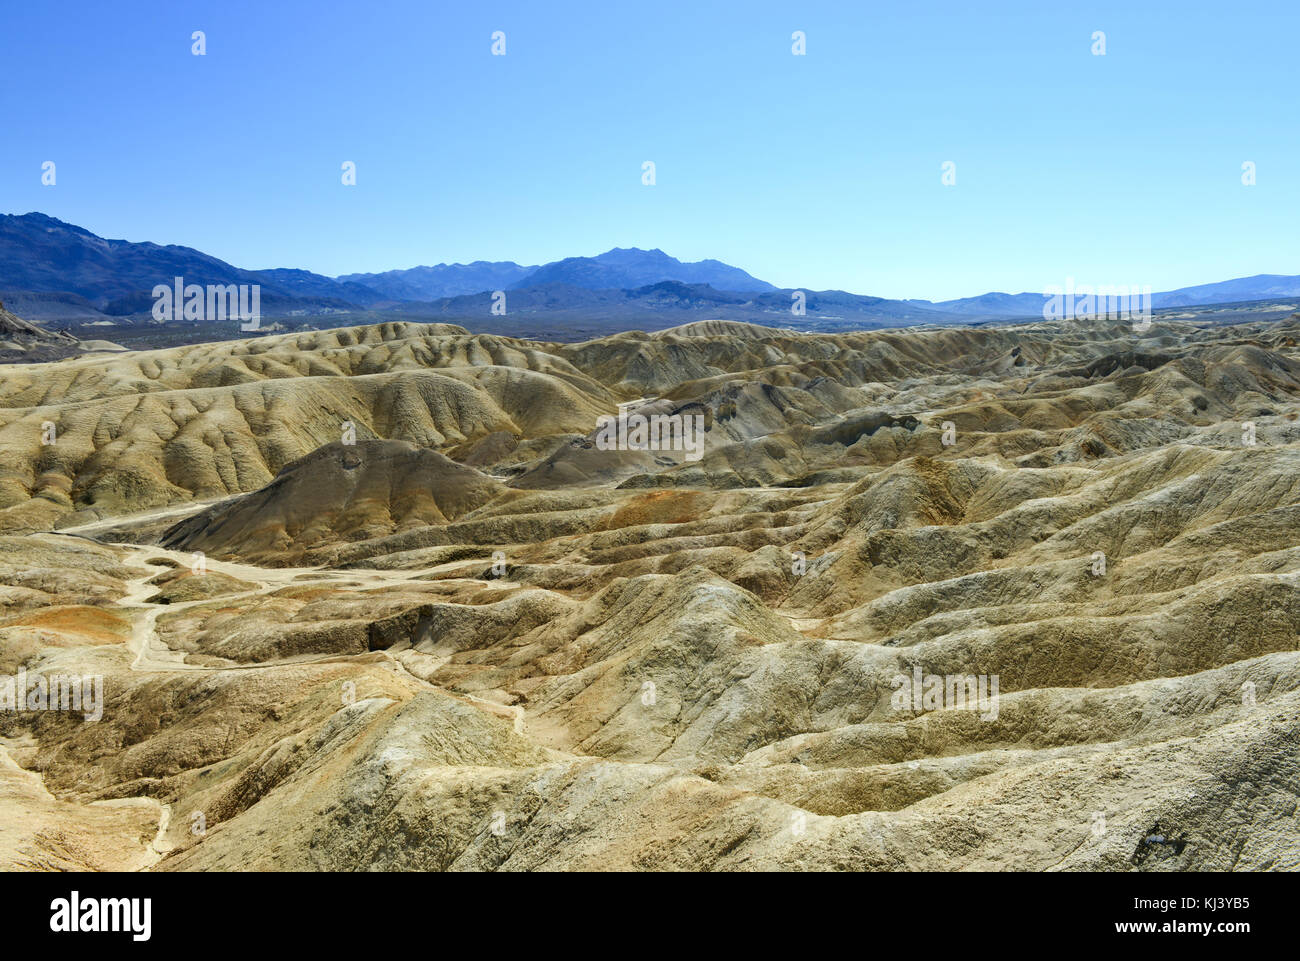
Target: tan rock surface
column 474, row 640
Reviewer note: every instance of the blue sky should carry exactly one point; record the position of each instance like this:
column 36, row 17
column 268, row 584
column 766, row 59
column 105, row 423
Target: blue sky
column 820, row 171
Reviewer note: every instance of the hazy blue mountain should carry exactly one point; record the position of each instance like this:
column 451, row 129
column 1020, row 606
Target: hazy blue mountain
column 618, row 269
column 42, row 254
column 991, row 305
column 443, row 280
column 630, row 268
column 61, row 272
column 670, row 302
column 1259, row 287
column 303, row 283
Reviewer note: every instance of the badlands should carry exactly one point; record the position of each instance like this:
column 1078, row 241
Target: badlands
column 375, row 599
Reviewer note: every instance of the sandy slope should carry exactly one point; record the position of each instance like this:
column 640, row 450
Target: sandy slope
column 475, row 640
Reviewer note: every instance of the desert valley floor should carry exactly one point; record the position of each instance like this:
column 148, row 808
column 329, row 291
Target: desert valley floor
column 373, row 598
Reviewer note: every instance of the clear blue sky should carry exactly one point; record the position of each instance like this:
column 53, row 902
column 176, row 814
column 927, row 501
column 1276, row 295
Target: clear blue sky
column 821, row 171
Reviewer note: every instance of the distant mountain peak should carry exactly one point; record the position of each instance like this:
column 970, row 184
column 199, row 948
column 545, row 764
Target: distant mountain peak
column 619, row 268
column 630, row 268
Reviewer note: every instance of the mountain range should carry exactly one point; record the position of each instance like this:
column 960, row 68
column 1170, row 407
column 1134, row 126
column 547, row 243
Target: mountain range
column 62, row 273
column 40, row 254
column 617, row 269
column 1258, row 287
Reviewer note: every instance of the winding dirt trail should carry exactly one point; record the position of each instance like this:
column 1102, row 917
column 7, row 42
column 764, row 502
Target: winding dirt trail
column 152, row 654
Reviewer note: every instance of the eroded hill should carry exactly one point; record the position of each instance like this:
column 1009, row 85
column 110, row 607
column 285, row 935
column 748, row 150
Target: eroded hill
column 386, row 597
